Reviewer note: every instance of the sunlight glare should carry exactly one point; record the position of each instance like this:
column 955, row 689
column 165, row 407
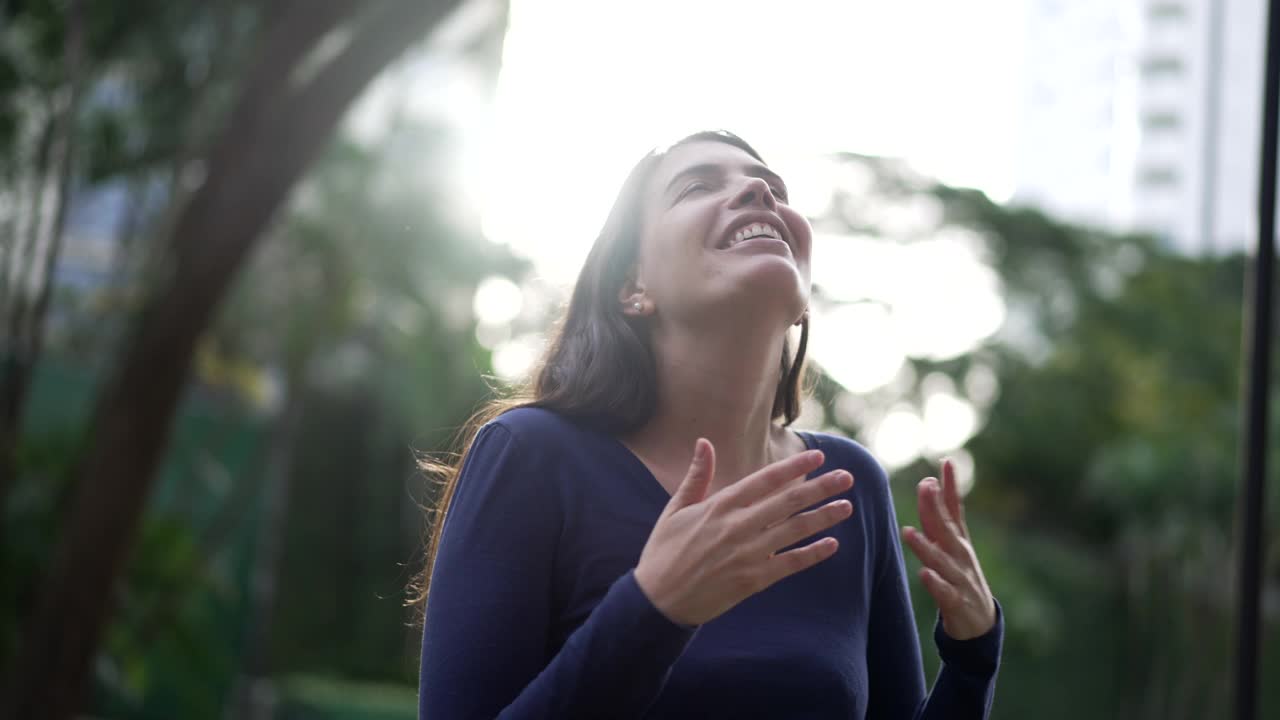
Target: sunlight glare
column 951, row 302
column 515, row 358
column 573, row 111
column 899, row 438
column 857, row 345
column 497, row 300
column 949, row 421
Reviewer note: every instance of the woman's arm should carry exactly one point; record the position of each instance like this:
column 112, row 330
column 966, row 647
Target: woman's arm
column 485, row 643
column 965, row 684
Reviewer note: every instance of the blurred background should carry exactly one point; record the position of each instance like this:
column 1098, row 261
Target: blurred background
column 258, row 257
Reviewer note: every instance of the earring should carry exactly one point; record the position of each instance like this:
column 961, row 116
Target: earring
column 639, row 306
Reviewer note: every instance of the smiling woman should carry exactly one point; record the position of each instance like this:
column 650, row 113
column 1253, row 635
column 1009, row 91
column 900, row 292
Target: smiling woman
column 583, row 564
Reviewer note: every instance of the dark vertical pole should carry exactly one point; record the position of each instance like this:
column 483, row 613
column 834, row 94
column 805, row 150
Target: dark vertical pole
column 1258, row 348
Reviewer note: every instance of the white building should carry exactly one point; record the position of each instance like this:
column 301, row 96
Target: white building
column 1077, row 137
column 1146, row 114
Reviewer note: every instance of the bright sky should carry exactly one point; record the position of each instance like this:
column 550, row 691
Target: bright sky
column 588, row 86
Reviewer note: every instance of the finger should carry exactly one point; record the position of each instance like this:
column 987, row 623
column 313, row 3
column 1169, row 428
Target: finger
column 944, row 593
column 793, row 561
column 779, row 507
column 693, row 488
column 804, row 525
column 952, row 537
column 767, row 480
column 933, row 556
column 785, row 487
column 931, row 520
column 951, row 493
column 935, row 520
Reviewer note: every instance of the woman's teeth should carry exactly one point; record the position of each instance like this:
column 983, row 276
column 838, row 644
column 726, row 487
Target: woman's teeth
column 755, row 230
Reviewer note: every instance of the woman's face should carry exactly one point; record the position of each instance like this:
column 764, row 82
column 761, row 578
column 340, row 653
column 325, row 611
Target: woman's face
column 718, row 236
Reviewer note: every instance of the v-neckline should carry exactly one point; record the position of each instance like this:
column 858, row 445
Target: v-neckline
column 644, row 473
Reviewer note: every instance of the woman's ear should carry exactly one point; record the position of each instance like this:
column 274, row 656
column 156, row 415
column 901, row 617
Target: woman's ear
column 804, row 318
column 632, row 297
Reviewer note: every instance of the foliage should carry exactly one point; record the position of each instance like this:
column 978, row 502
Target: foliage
column 155, row 94
column 306, row 697
column 174, row 642
column 1106, row 468
column 395, row 371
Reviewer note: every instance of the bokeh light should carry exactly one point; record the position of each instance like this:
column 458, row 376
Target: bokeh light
column 899, row 438
column 497, row 300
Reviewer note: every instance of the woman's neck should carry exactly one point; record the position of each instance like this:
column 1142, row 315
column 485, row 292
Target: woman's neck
column 720, row 386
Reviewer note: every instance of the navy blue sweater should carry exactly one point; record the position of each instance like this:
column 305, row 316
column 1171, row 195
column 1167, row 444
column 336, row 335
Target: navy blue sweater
column 534, row 611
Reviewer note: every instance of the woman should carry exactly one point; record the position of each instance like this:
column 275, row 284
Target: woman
column 588, row 567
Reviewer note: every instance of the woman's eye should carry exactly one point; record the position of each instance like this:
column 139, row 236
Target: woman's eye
column 691, row 187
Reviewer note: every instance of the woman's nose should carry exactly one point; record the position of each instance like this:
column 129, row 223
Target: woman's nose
column 755, row 191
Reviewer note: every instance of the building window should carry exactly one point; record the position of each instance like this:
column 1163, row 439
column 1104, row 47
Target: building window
column 1161, row 121
column 1162, row 66
column 1166, row 11
column 1158, row 177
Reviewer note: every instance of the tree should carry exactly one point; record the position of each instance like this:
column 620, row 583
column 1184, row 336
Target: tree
column 92, row 97
column 1105, row 463
column 287, row 108
column 25, row 289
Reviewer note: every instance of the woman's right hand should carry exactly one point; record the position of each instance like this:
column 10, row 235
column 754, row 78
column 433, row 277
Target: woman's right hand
column 707, row 554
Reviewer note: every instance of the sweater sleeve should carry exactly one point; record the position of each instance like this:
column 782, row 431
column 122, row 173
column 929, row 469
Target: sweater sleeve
column 965, row 684
column 485, row 647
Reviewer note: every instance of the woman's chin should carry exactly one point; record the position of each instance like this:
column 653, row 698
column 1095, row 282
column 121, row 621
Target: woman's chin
column 768, row 289
column 778, row 276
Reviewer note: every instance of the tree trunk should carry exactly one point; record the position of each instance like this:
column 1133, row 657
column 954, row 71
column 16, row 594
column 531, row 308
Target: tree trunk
column 271, row 137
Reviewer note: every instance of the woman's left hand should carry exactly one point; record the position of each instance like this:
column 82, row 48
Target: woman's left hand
column 951, row 572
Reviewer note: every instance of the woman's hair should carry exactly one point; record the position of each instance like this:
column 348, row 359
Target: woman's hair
column 599, row 366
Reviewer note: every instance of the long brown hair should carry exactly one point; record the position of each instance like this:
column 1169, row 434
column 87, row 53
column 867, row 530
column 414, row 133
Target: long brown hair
column 599, row 366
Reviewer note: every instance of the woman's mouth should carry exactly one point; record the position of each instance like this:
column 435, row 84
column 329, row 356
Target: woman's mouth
column 755, row 232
